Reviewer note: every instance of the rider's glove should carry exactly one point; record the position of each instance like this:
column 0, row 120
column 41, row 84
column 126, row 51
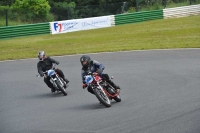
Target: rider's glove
column 84, row 86
column 95, row 73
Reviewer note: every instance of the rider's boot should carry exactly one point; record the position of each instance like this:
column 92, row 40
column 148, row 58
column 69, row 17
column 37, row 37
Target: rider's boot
column 117, row 88
column 53, row 89
column 66, row 80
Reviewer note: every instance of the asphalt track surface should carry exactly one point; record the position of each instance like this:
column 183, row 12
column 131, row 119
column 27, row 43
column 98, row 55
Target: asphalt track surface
column 160, row 94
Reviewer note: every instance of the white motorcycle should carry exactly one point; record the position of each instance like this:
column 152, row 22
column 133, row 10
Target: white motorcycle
column 58, row 83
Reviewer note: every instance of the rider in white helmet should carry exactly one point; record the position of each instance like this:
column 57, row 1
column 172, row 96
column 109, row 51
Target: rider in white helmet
column 45, row 63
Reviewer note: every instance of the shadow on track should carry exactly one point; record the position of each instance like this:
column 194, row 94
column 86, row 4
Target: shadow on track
column 44, row 95
column 94, row 106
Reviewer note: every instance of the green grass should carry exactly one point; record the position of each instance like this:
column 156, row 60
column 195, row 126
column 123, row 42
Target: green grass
column 157, row 34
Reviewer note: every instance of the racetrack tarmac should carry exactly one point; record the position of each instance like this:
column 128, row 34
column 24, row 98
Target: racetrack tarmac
column 160, row 91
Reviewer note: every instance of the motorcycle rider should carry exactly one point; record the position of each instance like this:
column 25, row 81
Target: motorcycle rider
column 89, row 65
column 45, row 63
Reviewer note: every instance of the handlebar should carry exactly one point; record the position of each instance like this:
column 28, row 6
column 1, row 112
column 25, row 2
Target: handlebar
column 53, row 68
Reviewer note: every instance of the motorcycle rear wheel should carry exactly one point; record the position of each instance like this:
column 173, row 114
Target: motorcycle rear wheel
column 103, row 98
column 117, row 98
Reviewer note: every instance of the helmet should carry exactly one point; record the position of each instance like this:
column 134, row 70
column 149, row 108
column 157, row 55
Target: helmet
column 41, row 55
column 85, row 58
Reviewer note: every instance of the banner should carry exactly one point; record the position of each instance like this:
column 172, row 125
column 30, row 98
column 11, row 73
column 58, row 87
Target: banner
column 80, row 24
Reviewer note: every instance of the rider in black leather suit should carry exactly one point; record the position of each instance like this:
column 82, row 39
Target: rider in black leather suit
column 46, row 63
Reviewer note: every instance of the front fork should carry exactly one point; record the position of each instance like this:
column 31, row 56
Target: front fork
column 53, row 79
column 102, row 89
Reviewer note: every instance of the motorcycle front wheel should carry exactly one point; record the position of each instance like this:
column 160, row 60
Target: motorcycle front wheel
column 103, row 98
column 61, row 88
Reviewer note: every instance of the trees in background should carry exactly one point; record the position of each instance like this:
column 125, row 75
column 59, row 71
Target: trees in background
column 36, row 9
column 33, row 11
column 49, row 10
column 68, row 9
column 28, row 11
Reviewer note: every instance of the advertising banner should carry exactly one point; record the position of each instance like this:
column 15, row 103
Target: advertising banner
column 80, row 24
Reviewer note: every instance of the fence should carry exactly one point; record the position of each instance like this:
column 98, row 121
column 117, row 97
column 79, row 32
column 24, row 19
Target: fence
column 24, row 30
column 9, row 17
column 138, row 17
column 181, row 11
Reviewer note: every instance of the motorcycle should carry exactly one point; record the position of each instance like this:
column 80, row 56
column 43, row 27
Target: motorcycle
column 58, row 83
column 102, row 89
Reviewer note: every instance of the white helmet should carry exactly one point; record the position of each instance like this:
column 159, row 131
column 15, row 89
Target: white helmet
column 41, row 55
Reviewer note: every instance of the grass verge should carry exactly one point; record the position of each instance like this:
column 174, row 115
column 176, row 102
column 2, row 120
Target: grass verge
column 158, row 34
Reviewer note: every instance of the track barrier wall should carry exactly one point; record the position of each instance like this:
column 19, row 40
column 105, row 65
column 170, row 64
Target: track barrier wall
column 44, row 28
column 24, row 30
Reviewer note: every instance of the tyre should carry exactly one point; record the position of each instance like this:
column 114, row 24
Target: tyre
column 117, row 98
column 61, row 88
column 111, row 90
column 103, row 98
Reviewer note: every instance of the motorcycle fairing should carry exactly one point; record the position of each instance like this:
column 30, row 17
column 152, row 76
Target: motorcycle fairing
column 88, row 79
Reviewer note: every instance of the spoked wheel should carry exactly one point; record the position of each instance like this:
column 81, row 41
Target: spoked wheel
column 103, row 98
column 112, row 91
column 62, row 89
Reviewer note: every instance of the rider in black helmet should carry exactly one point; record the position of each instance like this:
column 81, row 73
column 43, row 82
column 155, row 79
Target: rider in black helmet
column 94, row 66
column 46, row 63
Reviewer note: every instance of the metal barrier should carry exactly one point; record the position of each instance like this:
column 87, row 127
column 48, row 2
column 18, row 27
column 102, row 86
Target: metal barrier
column 181, row 11
column 138, row 17
column 24, row 30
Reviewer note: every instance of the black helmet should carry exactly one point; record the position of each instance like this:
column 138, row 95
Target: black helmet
column 41, row 54
column 85, row 58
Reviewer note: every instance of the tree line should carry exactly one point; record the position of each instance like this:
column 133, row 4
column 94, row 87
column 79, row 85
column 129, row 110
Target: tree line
column 56, row 10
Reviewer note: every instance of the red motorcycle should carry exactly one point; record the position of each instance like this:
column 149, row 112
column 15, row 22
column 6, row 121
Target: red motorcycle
column 102, row 89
